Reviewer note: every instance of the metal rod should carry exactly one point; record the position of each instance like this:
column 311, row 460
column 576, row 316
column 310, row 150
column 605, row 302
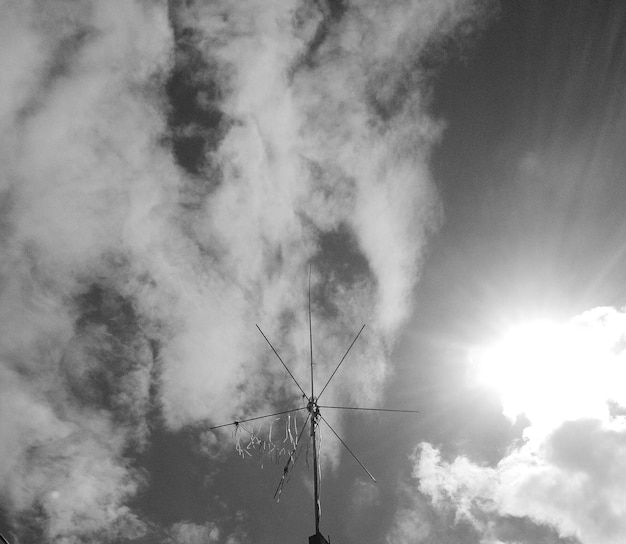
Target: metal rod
column 4, row 539
column 351, row 452
column 315, row 471
column 344, row 356
column 283, row 362
column 370, row 409
column 310, row 334
column 314, row 413
column 258, row 417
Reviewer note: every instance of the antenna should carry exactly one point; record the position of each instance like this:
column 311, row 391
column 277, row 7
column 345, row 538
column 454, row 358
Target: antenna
column 313, row 419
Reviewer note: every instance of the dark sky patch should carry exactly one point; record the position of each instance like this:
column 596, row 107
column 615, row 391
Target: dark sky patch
column 177, row 473
column 7, row 200
column 528, row 173
column 524, row 531
column 196, row 122
column 30, row 524
column 102, row 305
column 331, row 11
column 109, row 361
column 341, row 264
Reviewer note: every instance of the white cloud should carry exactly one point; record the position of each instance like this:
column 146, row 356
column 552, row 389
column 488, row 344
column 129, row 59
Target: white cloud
column 568, row 471
column 408, row 526
column 191, row 533
column 416, row 521
column 70, row 467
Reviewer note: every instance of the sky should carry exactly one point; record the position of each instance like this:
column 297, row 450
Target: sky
column 450, row 172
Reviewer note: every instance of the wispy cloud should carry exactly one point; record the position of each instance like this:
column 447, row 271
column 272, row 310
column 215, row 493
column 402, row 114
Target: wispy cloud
column 167, row 175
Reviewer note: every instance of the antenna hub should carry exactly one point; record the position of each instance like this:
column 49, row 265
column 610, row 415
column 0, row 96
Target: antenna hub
column 313, row 408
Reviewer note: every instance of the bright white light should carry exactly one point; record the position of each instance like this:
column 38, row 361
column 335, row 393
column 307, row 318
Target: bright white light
column 554, row 372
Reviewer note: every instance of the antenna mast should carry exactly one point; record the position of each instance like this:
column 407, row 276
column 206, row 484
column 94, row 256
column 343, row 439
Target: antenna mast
column 314, row 412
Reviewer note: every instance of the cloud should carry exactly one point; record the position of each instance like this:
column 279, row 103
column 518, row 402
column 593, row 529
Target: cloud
column 191, row 533
column 168, row 172
column 408, row 526
column 566, row 472
column 79, row 149
column 417, row 521
column 67, row 470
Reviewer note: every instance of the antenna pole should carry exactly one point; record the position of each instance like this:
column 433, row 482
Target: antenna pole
column 311, row 335
column 315, row 414
column 314, row 418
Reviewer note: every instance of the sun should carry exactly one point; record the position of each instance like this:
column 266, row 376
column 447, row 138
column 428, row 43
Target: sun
column 548, row 371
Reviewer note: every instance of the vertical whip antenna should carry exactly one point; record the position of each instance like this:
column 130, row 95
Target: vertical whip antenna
column 310, row 334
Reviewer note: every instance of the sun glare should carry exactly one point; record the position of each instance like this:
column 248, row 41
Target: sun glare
column 548, row 371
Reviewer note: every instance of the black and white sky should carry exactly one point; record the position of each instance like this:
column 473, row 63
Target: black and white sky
column 452, row 172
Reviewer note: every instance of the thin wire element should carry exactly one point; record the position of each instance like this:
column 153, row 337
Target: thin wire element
column 279, row 358
column 289, row 461
column 346, row 446
column 4, row 539
column 342, row 359
column 258, row 417
column 299, row 452
column 370, row 409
